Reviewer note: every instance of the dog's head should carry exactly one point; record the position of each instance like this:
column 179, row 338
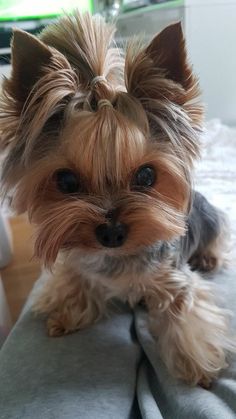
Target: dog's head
column 99, row 147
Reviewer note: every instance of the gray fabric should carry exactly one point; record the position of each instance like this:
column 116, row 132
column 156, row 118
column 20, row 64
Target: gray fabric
column 87, row 375
column 95, row 373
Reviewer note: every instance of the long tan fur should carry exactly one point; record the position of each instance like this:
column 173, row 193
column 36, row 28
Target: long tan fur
column 85, row 106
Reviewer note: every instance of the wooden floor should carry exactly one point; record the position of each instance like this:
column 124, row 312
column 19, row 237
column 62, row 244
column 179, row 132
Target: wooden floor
column 19, row 276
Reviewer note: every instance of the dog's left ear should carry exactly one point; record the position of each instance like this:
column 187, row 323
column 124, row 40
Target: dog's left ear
column 161, row 79
column 165, row 57
column 167, row 50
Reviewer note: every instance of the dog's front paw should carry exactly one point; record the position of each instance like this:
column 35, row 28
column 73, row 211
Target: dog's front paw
column 205, row 382
column 59, row 324
column 206, row 262
column 68, row 321
column 56, row 327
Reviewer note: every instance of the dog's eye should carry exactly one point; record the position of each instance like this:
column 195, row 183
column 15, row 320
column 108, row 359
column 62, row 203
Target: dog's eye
column 67, row 181
column 145, row 177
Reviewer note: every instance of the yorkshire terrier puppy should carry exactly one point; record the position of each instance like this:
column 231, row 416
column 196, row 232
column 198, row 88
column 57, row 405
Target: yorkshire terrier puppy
column 99, row 150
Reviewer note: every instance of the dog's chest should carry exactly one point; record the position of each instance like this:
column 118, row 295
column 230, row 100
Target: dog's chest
column 126, row 281
column 126, row 278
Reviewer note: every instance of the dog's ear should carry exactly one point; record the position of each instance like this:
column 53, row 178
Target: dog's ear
column 32, row 100
column 29, row 56
column 167, row 50
column 164, row 58
column 161, row 79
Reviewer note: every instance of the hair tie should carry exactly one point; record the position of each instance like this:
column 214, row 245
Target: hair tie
column 104, row 102
column 97, row 79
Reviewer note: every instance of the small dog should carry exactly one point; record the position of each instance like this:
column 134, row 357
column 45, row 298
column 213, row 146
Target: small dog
column 99, row 151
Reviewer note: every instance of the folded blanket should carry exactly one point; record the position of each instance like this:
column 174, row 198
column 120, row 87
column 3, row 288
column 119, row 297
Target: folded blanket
column 109, row 371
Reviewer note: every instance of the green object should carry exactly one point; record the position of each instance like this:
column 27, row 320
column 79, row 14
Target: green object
column 40, row 9
column 165, row 5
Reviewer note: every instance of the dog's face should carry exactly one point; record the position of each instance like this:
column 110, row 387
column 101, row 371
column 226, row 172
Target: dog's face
column 102, row 164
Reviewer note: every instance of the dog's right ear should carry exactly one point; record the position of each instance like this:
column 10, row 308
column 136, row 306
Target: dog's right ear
column 29, row 56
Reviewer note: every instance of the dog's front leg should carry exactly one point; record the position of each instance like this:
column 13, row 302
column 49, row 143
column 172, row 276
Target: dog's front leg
column 69, row 302
column 192, row 332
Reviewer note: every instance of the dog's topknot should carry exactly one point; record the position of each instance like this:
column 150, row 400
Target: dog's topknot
column 88, row 44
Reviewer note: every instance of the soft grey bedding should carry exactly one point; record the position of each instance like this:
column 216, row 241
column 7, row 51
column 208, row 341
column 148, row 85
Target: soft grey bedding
column 109, row 371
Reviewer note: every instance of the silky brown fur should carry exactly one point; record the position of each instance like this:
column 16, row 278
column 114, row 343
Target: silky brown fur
column 84, row 105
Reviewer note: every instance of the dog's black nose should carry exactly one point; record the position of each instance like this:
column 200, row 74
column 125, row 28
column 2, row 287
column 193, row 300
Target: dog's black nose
column 111, row 235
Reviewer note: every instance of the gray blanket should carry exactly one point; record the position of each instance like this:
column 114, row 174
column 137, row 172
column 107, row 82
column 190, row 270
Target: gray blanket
column 109, row 371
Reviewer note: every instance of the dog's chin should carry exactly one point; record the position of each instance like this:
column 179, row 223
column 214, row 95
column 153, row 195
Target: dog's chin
column 97, row 249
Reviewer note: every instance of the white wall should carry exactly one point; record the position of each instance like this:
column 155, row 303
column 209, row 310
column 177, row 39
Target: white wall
column 210, row 30
column 211, row 39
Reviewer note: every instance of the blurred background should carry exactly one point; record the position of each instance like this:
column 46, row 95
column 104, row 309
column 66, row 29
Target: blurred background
column 210, row 31
column 209, row 26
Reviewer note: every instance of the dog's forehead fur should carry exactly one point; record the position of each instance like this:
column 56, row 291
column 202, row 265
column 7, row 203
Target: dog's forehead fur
column 104, row 145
